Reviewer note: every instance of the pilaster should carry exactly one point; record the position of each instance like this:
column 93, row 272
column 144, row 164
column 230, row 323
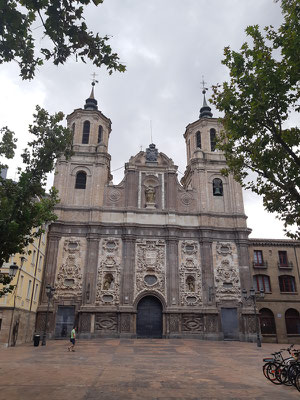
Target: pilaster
column 91, row 273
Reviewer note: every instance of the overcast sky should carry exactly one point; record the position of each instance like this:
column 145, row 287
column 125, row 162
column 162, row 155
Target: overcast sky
column 167, row 45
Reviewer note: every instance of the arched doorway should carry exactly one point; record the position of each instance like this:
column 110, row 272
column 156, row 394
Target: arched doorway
column 267, row 322
column 149, row 318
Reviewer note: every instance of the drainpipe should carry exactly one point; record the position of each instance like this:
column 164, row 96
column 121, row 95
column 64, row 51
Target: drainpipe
column 34, row 277
column 297, row 262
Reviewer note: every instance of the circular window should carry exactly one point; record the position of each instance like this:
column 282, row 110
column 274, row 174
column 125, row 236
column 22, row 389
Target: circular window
column 150, row 280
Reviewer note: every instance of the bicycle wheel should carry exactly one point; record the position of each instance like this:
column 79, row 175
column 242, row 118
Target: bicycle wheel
column 271, row 373
column 297, row 381
column 284, row 371
column 265, row 367
column 283, row 375
column 292, row 372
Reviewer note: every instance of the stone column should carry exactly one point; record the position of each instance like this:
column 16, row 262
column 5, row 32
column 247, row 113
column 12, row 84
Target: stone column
column 244, row 267
column 172, row 272
column 208, row 284
column 127, row 286
column 89, row 288
column 50, row 265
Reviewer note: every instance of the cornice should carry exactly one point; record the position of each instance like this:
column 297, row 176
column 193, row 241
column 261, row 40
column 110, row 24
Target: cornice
column 274, row 242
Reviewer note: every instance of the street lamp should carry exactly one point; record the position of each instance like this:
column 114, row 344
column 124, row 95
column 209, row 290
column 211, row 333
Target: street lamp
column 13, row 270
column 13, row 332
column 252, row 297
column 49, row 292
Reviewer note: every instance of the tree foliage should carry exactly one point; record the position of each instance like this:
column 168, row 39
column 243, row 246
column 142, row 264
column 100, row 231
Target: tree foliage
column 24, row 205
column 62, row 23
column 259, row 103
column 5, row 284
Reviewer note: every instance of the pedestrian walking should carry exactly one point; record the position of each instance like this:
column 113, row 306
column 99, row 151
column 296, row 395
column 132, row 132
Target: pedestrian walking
column 72, row 339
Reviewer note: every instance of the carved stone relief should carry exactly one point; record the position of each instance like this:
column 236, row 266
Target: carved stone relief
column 150, row 268
column 125, row 322
column 114, row 195
column 106, row 322
column 174, row 323
column 69, row 275
column 251, row 324
column 192, row 323
column 186, row 199
column 85, row 323
column 226, row 272
column 190, row 273
column 109, row 261
column 211, row 323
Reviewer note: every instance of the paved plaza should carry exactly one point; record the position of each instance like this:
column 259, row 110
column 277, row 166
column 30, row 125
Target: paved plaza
column 121, row 369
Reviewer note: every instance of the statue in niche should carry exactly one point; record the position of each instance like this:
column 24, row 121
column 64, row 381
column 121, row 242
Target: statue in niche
column 151, row 153
column 108, row 282
column 190, row 281
column 150, row 194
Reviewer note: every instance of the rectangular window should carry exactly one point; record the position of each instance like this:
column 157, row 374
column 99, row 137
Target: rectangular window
column 85, row 138
column 283, row 261
column 261, row 282
column 29, row 289
column 36, row 290
column 287, row 284
column 198, row 139
column 258, row 257
column 33, row 257
column 20, row 288
column 40, row 263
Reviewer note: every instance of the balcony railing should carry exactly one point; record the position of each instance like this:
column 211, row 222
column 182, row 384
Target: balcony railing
column 263, row 264
column 287, row 265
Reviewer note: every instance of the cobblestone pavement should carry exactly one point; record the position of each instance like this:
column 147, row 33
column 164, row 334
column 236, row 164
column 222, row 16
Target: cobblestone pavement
column 122, row 369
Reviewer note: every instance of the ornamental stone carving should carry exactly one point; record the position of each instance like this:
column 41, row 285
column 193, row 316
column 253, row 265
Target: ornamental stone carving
column 190, row 273
column 106, row 322
column 250, row 324
column 192, row 323
column 85, row 323
column 69, row 275
column 224, row 248
column 125, row 322
column 174, row 320
column 211, row 323
column 150, row 194
column 151, row 153
column 150, row 266
column 226, row 272
column 114, row 195
column 109, row 261
column 186, row 199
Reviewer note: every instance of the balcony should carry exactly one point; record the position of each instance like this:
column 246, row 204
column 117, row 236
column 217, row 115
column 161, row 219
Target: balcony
column 261, row 265
column 286, row 265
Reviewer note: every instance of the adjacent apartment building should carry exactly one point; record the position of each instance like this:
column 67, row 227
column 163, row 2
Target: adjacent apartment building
column 275, row 270
column 18, row 309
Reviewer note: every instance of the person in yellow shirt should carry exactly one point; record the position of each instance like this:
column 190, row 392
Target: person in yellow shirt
column 72, row 340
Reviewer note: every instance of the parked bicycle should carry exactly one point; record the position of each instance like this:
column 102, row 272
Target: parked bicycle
column 280, row 370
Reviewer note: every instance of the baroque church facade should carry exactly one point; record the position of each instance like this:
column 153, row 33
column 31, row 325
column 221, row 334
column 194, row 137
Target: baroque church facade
column 151, row 256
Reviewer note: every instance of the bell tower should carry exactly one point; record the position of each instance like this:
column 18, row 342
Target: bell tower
column 81, row 179
column 217, row 193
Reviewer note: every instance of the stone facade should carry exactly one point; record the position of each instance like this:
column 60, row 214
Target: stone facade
column 151, row 256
